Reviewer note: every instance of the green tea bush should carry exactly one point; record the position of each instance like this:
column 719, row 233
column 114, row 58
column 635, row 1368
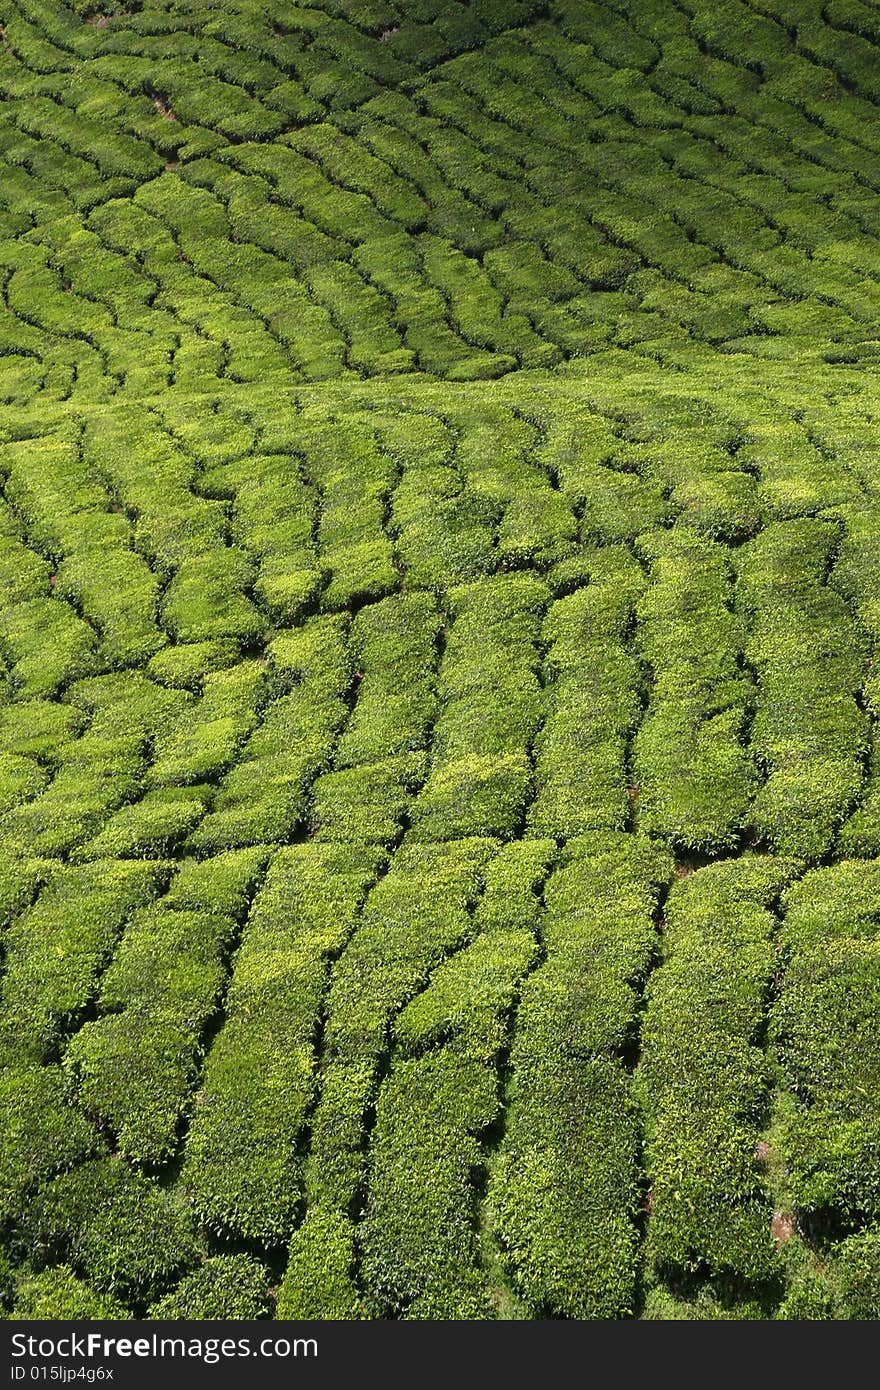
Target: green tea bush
column 438, row 461
column 564, row 1212
column 240, row 1165
column 593, row 687
column 420, row 1249
column 126, row 1237
column 808, row 731
column 480, row 777
column 694, row 776
column 703, row 1080
column 355, row 478
column 416, row 915
column 827, row 993
column 263, row 797
column 55, row 949
column 57, row 1295
column 134, row 1066
column 42, row 1136
column 468, row 997
column 227, row 1287
column 366, row 804
column 222, row 884
column 48, row 646
column 394, row 645
column 205, row 599
column 185, row 664
column 208, row 734
column 151, row 826
column 318, row 1282
column 274, row 518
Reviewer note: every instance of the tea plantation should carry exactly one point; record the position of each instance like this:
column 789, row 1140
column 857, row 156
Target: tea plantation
column 440, row 659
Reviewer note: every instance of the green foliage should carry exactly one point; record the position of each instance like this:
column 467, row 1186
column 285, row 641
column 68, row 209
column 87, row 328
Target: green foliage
column 808, row 731
column 56, row 948
column 240, row 1167
column 828, row 993
column 368, row 803
column 263, row 797
column 186, row 663
column 480, row 778
column 703, row 1081
column 593, row 685
column 419, row 1241
column 414, row 917
column 205, row 599
column 227, row 1287
column 57, row 1295
column 393, row 644
column 207, row 735
column 48, row 645
column 151, row 826
column 134, row 1066
column 695, row 779
column 41, row 1136
column 438, row 479
column 563, row 1195
column 128, row 1238
column 318, row 1282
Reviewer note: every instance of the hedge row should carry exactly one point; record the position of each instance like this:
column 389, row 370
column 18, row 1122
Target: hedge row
column 95, row 772
column 495, row 452
column 366, row 804
column 808, row 733
column 57, row 947
column 319, row 1282
column 392, row 262
column 695, row 779
column 274, row 516
column 420, row 1247
column 443, row 536
column 225, row 1288
column 704, row 1079
column 206, row 599
column 613, row 506
column 592, row 684
column 209, row 732
column 845, row 1285
column 467, row 1001
column 393, row 644
column 415, row 916
column 41, row 1134
column 58, row 1295
column 418, row 1243
column 852, row 576
column 240, row 1170
column 152, row 826
column 420, row 1239
column 480, row 776
column 354, row 477
column 151, row 475
column 469, row 994
column 794, row 477
column 45, row 644
column 126, row 1237
column 484, row 129
column 563, row 1195
column 263, row 797
column 823, row 1025
column 69, row 518
column 134, row 1066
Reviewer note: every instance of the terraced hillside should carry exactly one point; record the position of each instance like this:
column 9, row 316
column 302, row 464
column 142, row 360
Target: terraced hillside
column 440, row 551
